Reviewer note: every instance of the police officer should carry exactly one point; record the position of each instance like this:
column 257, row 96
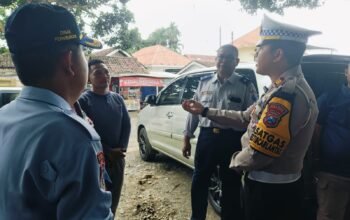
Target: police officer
column 279, row 126
column 51, row 160
column 216, row 143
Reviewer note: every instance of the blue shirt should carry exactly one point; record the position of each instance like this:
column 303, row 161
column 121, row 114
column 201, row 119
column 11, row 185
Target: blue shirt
column 334, row 117
column 110, row 117
column 236, row 93
column 50, row 161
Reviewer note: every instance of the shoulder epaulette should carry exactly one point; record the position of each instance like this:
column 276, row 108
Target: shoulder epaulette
column 244, row 79
column 203, row 78
column 289, row 85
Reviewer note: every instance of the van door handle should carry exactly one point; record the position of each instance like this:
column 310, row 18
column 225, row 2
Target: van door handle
column 170, row 114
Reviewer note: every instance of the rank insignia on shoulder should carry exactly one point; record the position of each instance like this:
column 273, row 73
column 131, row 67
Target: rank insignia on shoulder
column 244, row 79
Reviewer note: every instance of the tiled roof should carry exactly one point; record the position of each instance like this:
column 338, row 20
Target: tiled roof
column 120, row 65
column 160, row 56
column 250, row 39
column 110, row 52
column 206, row 60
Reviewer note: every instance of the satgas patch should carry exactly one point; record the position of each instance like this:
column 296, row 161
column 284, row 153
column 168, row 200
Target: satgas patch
column 271, row 134
column 274, row 114
column 102, row 164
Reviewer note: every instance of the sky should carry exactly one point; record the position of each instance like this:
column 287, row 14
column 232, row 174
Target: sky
column 200, row 21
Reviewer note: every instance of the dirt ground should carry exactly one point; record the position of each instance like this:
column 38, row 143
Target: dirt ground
column 156, row 190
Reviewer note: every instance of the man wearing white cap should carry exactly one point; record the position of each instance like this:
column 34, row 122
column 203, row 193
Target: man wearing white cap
column 279, row 126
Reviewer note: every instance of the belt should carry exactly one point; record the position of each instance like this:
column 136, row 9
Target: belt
column 217, row 130
column 265, row 177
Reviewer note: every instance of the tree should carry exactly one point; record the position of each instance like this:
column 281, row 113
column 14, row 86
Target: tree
column 113, row 25
column 251, row 6
column 107, row 18
column 132, row 40
column 168, row 37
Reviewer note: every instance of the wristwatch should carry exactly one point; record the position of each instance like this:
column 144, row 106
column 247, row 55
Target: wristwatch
column 205, row 112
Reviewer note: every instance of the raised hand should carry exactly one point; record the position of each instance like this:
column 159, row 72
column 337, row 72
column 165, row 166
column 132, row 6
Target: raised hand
column 192, row 106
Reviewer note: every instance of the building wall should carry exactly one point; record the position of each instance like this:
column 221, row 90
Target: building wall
column 246, row 54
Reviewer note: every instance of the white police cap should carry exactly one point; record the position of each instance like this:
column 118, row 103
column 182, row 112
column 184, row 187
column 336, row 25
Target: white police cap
column 273, row 30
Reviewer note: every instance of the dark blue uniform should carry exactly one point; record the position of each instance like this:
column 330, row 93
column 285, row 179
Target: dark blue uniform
column 334, row 117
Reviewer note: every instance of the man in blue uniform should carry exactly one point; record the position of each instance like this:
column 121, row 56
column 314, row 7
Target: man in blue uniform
column 332, row 137
column 111, row 120
column 51, row 160
column 216, row 143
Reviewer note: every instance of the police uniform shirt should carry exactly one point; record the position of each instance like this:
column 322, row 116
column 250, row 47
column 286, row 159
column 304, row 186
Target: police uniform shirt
column 280, row 127
column 236, row 93
column 51, row 161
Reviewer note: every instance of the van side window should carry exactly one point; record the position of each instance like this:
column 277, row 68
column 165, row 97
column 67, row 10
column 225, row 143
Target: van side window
column 191, row 87
column 171, row 95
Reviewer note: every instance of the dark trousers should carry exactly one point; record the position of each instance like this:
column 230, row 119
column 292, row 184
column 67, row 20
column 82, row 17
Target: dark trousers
column 215, row 149
column 115, row 170
column 266, row 201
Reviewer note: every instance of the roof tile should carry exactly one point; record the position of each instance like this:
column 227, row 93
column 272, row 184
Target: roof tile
column 160, row 55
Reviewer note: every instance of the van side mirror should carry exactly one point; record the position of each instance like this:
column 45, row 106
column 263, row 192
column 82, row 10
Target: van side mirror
column 151, row 99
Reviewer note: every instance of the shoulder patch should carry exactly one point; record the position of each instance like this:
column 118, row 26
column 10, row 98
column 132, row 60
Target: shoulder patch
column 271, row 135
column 203, row 78
column 275, row 112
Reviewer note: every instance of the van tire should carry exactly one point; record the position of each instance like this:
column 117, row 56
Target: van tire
column 215, row 191
column 145, row 148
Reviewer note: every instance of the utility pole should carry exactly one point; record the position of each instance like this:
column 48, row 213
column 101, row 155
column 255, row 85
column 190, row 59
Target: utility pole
column 232, row 37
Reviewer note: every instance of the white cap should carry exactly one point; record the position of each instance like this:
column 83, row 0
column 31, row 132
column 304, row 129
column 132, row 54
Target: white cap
column 273, row 30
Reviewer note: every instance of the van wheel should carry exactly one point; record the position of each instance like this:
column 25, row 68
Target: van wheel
column 215, row 191
column 145, row 148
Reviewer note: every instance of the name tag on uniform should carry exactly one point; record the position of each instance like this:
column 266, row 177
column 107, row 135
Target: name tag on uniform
column 234, row 99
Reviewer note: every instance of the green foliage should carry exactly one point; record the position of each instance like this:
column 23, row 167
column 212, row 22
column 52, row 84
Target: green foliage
column 131, row 40
column 278, row 6
column 107, row 18
column 3, row 50
column 113, row 25
column 168, row 36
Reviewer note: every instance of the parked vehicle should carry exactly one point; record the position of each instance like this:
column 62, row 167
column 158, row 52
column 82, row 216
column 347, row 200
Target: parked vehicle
column 7, row 94
column 161, row 123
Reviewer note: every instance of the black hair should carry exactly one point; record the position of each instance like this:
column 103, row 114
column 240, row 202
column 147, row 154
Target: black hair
column 293, row 51
column 93, row 62
column 230, row 47
column 38, row 65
